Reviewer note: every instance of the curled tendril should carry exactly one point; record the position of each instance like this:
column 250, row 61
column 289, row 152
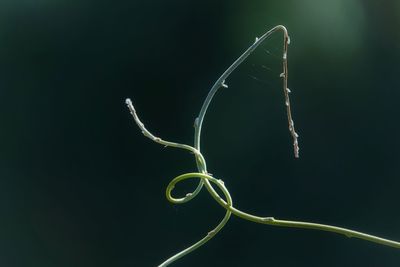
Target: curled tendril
column 208, row 181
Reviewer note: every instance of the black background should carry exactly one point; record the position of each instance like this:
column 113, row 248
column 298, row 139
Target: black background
column 80, row 186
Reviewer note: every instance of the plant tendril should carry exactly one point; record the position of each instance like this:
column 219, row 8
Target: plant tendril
column 207, row 180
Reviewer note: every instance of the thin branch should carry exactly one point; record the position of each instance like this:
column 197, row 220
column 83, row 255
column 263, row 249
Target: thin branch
column 199, row 157
column 208, row 180
column 270, row 220
column 201, row 166
column 149, row 135
column 221, row 83
column 286, row 91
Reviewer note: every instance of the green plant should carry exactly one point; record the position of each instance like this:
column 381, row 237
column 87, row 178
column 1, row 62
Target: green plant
column 208, row 181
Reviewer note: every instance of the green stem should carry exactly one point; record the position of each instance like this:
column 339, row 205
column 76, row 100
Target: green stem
column 198, row 123
column 207, row 180
column 270, row 220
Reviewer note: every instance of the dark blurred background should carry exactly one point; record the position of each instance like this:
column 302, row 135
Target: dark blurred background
column 80, row 185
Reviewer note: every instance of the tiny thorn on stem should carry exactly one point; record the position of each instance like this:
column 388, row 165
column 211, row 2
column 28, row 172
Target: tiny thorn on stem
column 196, row 122
column 268, row 219
column 212, row 232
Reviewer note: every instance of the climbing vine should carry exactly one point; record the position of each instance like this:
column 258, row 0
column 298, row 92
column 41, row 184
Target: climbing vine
column 209, row 182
